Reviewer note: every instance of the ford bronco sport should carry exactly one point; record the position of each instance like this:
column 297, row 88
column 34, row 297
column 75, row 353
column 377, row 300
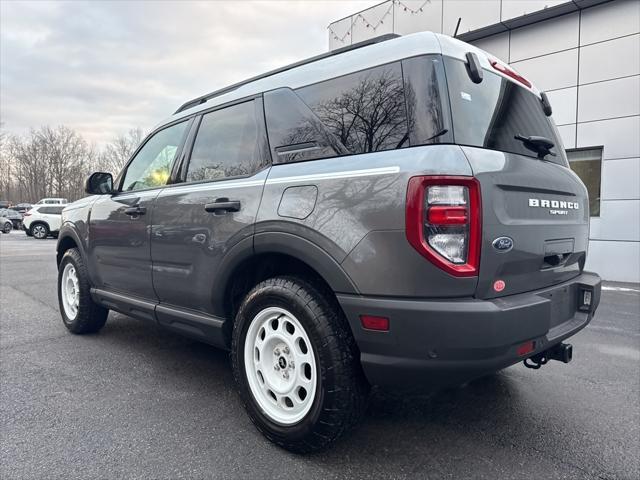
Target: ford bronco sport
column 397, row 213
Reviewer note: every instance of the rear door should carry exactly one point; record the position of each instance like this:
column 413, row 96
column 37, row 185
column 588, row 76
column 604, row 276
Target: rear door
column 535, row 210
column 198, row 222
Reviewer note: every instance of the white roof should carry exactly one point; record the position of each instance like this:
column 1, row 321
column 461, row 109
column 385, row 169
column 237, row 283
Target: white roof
column 422, row 43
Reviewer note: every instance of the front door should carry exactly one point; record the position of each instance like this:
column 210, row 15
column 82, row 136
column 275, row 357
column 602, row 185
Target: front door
column 119, row 248
column 196, row 223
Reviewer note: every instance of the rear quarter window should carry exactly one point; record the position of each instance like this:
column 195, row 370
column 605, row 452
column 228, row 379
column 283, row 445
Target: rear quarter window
column 357, row 113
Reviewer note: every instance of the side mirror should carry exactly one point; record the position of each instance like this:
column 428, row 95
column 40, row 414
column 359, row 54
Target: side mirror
column 99, row 183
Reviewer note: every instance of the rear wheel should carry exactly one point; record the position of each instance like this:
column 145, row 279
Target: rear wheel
column 80, row 314
column 39, row 230
column 296, row 365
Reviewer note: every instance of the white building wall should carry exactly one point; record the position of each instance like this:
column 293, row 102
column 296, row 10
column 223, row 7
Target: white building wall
column 588, row 61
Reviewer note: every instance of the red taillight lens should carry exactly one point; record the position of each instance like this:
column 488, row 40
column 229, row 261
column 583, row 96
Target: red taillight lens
column 443, row 222
column 510, row 73
column 442, row 215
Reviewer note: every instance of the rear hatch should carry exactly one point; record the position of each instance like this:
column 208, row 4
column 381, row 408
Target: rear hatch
column 535, row 214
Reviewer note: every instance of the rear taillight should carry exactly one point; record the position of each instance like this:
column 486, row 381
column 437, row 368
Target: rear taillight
column 443, row 222
column 26, row 214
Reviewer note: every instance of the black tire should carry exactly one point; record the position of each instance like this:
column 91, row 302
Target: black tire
column 39, row 230
column 341, row 391
column 90, row 316
column 28, row 233
column 7, row 227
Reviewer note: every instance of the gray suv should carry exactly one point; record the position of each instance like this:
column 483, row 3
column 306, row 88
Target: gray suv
column 397, row 213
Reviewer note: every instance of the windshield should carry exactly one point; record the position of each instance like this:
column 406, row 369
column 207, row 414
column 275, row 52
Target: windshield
column 492, row 113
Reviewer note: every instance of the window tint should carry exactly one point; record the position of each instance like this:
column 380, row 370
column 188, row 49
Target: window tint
column 356, row 113
column 587, row 163
column 230, row 143
column 152, row 165
column 50, row 210
column 295, row 132
column 490, row 114
column 425, row 90
column 365, row 110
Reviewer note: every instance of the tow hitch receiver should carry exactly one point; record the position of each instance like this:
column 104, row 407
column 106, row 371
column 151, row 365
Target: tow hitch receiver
column 562, row 352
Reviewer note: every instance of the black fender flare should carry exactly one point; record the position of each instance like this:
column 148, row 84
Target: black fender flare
column 67, row 231
column 280, row 243
column 308, row 252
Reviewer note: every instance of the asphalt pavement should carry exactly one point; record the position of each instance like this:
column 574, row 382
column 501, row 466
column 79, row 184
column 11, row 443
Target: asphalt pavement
column 135, row 401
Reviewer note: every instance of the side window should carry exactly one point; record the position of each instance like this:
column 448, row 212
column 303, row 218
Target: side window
column 152, row 165
column 366, row 110
column 45, row 210
column 230, row 142
column 295, row 132
column 357, row 113
column 56, row 210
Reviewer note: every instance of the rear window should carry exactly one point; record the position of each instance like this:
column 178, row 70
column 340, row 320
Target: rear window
column 490, row 114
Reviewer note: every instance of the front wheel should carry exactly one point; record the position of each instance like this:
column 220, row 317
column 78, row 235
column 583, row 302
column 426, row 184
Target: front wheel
column 296, row 365
column 7, row 227
column 80, row 314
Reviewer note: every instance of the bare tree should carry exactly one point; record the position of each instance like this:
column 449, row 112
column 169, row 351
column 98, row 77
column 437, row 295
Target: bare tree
column 119, row 150
column 50, row 162
column 371, row 116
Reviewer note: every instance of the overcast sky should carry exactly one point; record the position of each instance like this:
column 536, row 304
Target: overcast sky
column 103, row 67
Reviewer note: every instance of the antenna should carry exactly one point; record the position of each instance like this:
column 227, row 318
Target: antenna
column 455, row 34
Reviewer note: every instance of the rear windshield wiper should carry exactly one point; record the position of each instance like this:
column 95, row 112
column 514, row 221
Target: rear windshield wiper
column 541, row 145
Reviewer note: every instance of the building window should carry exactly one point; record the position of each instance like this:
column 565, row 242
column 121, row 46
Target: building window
column 587, row 163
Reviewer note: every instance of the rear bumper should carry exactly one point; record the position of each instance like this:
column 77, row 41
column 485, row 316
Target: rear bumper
column 435, row 343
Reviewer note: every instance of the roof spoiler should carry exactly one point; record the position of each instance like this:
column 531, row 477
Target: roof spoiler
column 204, row 98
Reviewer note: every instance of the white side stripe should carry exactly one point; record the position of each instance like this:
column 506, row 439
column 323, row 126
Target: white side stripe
column 335, row 175
column 212, row 186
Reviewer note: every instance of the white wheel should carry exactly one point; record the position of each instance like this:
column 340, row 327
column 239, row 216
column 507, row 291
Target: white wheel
column 280, row 365
column 70, row 293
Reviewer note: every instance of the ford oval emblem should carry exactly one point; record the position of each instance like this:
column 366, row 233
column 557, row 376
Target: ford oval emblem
column 503, row 244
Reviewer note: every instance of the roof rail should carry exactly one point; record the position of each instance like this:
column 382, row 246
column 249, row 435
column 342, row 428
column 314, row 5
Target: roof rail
column 204, row 98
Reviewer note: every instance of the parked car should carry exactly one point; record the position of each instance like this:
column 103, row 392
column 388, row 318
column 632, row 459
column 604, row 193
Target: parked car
column 398, row 213
column 43, row 220
column 14, row 216
column 52, row 201
column 5, row 225
column 22, row 207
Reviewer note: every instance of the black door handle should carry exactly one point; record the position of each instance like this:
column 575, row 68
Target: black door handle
column 222, row 206
column 136, row 210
